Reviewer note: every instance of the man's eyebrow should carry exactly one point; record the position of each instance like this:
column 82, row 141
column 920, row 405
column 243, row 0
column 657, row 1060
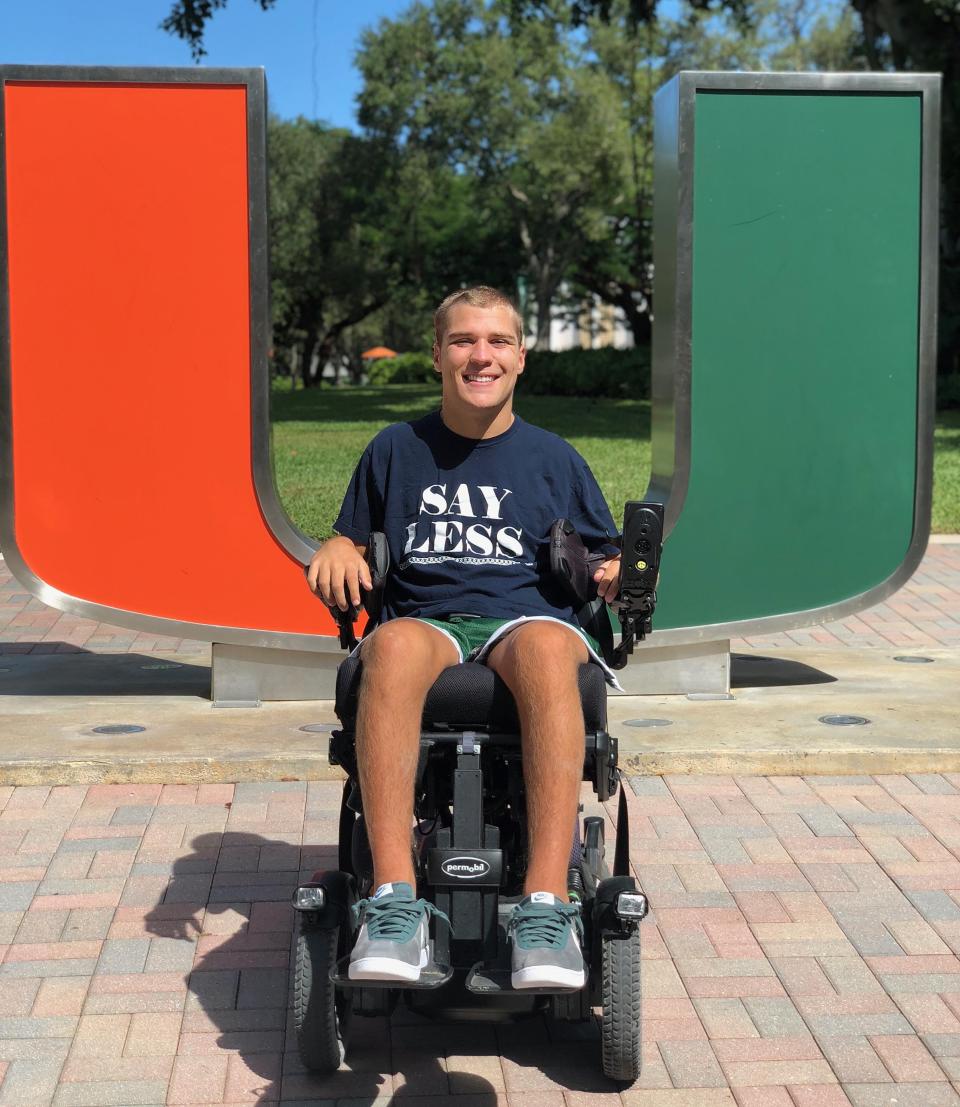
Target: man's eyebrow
column 454, row 335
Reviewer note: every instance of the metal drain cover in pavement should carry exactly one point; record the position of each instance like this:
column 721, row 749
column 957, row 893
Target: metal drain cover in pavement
column 119, row 728
column 908, row 660
column 648, row 722
column 844, row 720
column 319, row 728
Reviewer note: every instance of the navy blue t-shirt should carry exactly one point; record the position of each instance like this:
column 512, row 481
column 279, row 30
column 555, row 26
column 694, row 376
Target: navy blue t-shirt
column 468, row 520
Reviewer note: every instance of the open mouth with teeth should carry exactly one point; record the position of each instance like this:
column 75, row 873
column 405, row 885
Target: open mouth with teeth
column 479, row 380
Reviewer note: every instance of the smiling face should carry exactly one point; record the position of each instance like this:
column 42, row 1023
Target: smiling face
column 479, row 359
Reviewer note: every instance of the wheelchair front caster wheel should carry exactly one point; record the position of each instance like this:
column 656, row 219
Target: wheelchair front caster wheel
column 321, row 1012
column 620, row 998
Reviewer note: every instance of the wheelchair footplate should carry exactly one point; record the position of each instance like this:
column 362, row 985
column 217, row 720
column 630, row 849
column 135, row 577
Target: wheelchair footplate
column 485, row 980
column 431, row 976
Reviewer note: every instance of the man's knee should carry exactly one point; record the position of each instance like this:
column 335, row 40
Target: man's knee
column 543, row 649
column 408, row 650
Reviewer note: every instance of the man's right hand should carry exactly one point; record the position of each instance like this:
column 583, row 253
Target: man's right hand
column 337, row 571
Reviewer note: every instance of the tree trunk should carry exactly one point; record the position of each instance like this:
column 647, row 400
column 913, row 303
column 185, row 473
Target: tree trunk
column 544, row 299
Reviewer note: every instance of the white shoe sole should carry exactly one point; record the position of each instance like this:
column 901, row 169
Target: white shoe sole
column 386, row 968
column 548, row 976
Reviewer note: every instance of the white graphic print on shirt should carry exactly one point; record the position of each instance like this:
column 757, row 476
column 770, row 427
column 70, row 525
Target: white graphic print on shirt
column 443, row 527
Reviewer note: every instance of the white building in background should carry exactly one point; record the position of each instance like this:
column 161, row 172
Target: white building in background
column 592, row 326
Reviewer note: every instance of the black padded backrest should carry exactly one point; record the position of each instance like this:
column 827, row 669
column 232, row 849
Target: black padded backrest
column 474, row 697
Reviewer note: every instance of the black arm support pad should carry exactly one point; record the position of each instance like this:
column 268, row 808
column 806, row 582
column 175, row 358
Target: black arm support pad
column 378, row 562
column 574, row 565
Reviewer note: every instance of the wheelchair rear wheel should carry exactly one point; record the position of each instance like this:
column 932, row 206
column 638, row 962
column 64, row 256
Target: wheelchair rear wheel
column 620, row 996
column 321, row 1013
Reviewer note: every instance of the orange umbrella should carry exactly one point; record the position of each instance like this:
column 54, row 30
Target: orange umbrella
column 379, row 351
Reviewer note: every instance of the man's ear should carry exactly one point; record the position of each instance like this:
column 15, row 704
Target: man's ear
column 436, row 357
column 521, row 358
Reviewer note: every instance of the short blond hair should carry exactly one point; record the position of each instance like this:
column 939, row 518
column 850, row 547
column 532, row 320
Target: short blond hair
column 481, row 296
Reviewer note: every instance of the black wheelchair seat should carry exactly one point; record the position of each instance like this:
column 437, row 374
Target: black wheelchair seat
column 472, row 696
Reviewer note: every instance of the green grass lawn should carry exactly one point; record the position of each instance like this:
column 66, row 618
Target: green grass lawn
column 613, row 435
column 946, row 474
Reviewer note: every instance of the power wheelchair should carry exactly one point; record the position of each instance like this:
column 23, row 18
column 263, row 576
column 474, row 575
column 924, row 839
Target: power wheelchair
column 470, row 838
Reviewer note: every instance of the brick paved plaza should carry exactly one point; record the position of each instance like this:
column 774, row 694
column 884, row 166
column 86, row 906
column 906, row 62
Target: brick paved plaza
column 801, row 952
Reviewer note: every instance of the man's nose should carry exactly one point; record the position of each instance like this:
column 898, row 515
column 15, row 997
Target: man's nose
column 482, row 352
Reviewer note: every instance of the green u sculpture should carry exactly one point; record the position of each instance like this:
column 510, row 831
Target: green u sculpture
column 795, row 265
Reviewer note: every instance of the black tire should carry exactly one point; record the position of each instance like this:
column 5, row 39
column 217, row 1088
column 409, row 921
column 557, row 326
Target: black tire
column 621, row 1004
column 321, row 1015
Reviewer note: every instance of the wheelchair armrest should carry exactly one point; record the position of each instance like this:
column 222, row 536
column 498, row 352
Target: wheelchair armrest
column 378, row 562
column 573, row 565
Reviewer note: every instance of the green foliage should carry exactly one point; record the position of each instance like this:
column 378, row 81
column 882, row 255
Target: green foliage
column 403, row 369
column 331, row 257
column 793, row 35
column 606, row 372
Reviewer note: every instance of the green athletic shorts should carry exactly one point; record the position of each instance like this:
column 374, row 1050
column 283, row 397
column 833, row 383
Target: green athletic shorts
column 472, row 632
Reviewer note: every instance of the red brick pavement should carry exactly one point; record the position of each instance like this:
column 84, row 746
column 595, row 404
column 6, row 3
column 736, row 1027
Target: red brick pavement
column 803, row 949
column 925, row 613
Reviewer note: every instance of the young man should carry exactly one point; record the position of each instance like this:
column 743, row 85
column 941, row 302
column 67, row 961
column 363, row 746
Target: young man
column 466, row 497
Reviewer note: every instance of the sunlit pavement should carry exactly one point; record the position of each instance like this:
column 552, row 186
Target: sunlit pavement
column 801, row 950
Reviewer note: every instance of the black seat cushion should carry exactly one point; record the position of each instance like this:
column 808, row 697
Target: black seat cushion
column 474, row 697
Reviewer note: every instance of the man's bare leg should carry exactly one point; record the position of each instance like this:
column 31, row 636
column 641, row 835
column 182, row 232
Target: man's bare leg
column 539, row 662
column 401, row 660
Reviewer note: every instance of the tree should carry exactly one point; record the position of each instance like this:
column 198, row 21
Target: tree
column 331, row 265
column 364, row 241
column 188, row 20
column 512, row 109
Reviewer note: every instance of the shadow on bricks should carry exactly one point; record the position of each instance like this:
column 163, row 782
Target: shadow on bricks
column 230, row 898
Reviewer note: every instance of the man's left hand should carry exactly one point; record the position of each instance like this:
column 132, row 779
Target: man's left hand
column 608, row 579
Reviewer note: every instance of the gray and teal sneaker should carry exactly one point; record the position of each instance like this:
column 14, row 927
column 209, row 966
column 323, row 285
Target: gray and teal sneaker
column 393, row 943
column 546, row 947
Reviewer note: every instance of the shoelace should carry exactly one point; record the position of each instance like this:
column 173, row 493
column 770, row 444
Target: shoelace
column 395, row 920
column 544, row 925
